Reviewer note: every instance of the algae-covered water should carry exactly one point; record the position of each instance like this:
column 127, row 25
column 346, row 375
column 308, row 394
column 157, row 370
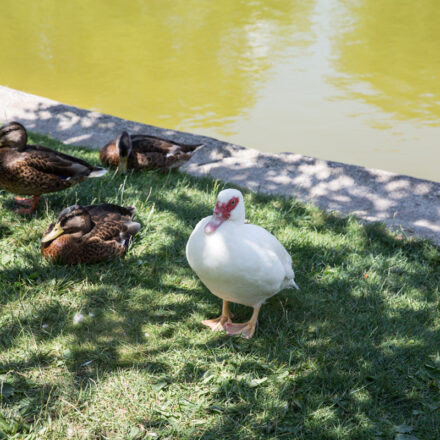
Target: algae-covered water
column 353, row 81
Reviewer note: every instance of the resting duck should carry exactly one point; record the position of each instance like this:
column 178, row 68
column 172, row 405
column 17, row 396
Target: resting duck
column 88, row 234
column 35, row 170
column 142, row 152
column 238, row 262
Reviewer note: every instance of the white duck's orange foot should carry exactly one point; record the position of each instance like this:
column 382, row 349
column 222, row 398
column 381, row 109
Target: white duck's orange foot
column 246, row 329
column 218, row 324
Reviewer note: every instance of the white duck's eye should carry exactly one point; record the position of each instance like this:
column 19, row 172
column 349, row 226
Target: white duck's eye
column 233, row 202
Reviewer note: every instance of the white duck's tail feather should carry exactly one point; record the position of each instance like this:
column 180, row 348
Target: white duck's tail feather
column 288, row 283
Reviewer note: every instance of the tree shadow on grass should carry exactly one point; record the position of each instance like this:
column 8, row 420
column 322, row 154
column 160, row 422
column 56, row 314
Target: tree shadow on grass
column 358, row 356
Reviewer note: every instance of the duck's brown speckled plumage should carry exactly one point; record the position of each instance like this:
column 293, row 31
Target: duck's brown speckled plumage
column 37, row 170
column 103, row 233
column 34, row 169
column 148, row 153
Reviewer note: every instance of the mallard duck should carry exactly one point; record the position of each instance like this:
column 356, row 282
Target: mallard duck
column 88, row 234
column 238, row 262
column 35, row 170
column 142, row 152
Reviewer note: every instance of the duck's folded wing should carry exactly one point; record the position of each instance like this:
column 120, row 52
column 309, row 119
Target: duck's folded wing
column 271, row 244
column 153, row 144
column 96, row 249
column 107, row 211
column 107, row 231
column 49, row 161
column 150, row 161
column 150, row 144
column 119, row 231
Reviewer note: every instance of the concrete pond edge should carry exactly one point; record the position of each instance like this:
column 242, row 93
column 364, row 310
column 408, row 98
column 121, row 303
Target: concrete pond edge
column 401, row 202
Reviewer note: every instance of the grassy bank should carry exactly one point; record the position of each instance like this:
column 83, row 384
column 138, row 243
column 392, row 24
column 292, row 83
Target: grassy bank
column 354, row 354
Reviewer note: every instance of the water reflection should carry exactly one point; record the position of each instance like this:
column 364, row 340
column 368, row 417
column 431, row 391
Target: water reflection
column 345, row 80
column 180, row 64
column 389, row 55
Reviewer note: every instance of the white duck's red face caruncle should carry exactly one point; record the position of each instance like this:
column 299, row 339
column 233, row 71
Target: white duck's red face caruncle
column 222, row 212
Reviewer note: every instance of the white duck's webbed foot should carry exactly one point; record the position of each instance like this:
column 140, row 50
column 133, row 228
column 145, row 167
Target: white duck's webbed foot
column 219, row 324
column 247, row 329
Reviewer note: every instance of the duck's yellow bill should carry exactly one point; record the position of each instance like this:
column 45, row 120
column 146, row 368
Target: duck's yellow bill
column 56, row 231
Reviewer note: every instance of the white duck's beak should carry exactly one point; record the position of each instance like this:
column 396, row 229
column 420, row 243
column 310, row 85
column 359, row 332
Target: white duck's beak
column 216, row 220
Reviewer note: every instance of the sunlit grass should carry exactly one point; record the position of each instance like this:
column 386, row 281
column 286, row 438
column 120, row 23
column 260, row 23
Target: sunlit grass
column 354, row 354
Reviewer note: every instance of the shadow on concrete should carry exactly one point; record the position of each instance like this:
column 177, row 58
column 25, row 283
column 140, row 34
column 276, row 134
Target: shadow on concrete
column 401, row 202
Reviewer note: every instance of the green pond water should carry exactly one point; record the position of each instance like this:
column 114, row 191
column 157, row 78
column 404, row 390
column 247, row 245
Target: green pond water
column 352, row 81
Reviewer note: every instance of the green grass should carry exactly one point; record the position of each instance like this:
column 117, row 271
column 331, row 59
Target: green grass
column 354, row 354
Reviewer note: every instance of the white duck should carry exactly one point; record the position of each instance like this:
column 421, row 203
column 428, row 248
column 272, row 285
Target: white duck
column 238, row 262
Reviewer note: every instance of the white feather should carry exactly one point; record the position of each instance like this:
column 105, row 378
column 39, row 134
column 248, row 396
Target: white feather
column 238, row 262
column 98, row 173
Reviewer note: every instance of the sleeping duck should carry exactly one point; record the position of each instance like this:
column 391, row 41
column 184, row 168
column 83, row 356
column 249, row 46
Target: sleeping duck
column 88, row 234
column 238, row 262
column 142, row 152
column 35, row 170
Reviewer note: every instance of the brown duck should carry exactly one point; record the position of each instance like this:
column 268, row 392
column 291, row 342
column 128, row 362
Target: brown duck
column 35, row 170
column 142, row 152
column 88, row 234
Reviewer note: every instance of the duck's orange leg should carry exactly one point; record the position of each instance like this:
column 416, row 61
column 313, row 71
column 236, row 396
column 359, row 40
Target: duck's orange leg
column 219, row 323
column 25, row 201
column 246, row 329
column 35, row 200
